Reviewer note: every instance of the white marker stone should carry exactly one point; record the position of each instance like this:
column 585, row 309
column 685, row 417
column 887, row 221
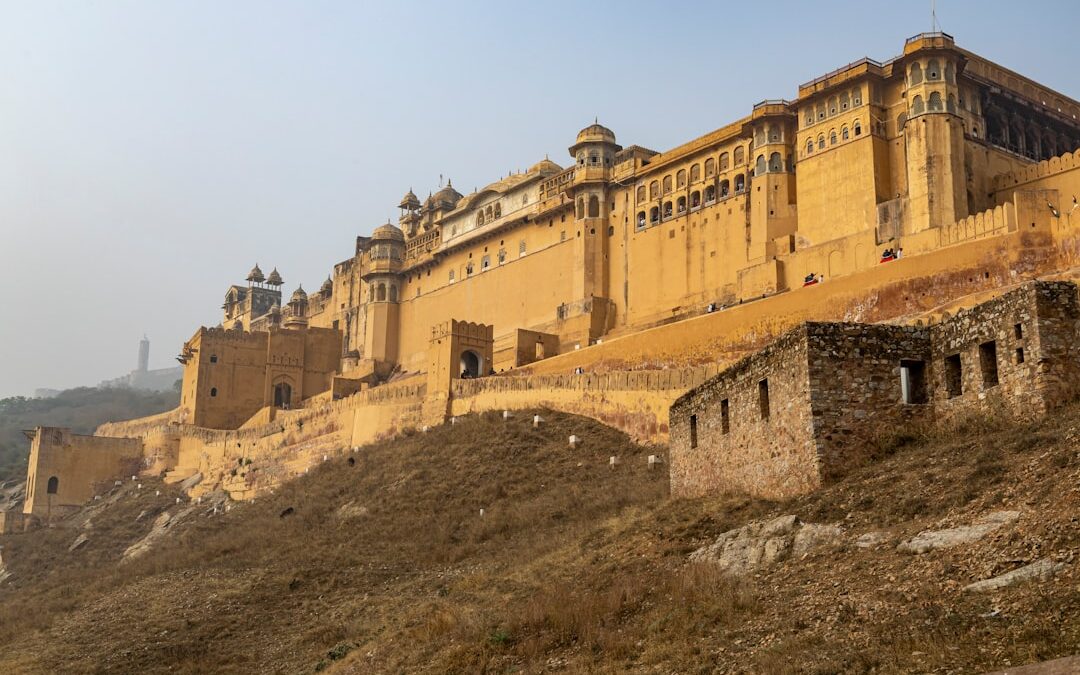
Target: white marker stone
column 536, row 421
column 612, row 461
column 573, row 441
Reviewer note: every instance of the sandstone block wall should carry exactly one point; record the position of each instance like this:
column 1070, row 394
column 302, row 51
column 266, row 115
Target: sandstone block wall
column 839, row 387
column 726, row 436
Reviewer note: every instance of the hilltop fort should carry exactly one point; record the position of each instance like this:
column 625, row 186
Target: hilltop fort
column 875, row 204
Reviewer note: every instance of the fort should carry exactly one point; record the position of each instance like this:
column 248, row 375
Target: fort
column 891, row 246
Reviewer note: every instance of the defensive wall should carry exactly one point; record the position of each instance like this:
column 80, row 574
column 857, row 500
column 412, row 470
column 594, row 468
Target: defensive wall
column 812, row 405
column 630, row 381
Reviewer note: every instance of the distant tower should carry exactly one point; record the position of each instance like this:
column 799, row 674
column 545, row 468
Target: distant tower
column 144, row 354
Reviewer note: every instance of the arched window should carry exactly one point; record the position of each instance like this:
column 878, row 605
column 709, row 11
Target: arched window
column 213, row 391
column 667, row 209
column 710, row 168
column 844, row 134
column 809, row 146
column 724, row 161
column 935, row 102
column 809, row 118
column 759, row 165
column 776, row 162
column 371, row 293
column 468, row 268
column 641, row 194
column 740, row 183
column 933, row 70
column 915, row 74
column 680, row 205
column 580, row 213
column 490, row 212
column 901, row 120
column 485, row 262
column 739, row 156
column 832, row 136
column 282, row 395
column 917, row 106
column 845, row 101
column 502, row 256
column 820, row 111
column 594, row 206
column 832, row 106
column 695, row 173
column 521, row 248
column 480, row 218
column 856, row 98
column 858, row 128
column 667, row 184
column 654, row 189
column 640, row 220
column 53, row 485
column 380, row 292
column 759, row 137
column 710, row 194
column 725, row 188
column 680, row 178
column 451, row 276
column 594, row 158
column 654, row 215
column 774, row 133
column 393, row 293
column 524, row 199
column 695, row 199
column 498, row 210
column 821, row 142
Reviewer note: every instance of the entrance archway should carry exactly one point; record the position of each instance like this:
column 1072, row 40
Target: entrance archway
column 472, row 364
column 282, row 395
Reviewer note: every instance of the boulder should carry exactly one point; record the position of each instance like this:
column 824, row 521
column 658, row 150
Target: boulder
column 929, row 540
column 767, row 542
column 1042, row 570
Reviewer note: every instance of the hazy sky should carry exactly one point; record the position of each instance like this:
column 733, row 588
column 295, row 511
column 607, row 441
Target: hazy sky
column 151, row 151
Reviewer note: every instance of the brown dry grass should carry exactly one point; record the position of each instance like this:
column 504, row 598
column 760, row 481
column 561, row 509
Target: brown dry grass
column 573, row 566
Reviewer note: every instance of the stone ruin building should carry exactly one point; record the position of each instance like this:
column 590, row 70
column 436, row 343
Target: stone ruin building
column 811, row 405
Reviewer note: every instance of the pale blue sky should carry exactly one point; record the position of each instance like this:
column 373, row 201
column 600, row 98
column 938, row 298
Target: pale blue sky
column 151, row 152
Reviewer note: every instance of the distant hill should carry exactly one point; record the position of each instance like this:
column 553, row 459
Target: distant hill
column 81, row 409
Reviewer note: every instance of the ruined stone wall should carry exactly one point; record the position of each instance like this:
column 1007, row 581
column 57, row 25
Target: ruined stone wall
column 725, row 436
column 855, row 388
column 1017, row 354
column 634, row 402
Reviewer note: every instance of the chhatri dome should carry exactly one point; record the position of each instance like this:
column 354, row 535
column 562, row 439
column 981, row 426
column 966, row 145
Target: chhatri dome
column 299, row 294
column 274, row 279
column 327, row 286
column 409, row 201
column 447, row 195
column 256, row 275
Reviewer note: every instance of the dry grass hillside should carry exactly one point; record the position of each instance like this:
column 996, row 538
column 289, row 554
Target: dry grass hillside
column 385, row 564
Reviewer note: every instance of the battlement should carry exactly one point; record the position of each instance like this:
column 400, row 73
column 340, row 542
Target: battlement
column 1044, row 169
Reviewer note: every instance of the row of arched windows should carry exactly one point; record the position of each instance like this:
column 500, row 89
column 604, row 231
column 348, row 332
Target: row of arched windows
column 381, row 292
column 933, row 104
column 592, row 207
column 774, row 134
column 835, row 105
column 697, row 198
column 775, row 164
column 669, row 183
column 833, row 139
column 933, row 72
column 486, row 215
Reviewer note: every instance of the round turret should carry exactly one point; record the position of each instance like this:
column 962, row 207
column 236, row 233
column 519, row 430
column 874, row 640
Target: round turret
column 596, row 133
column 595, row 140
column 327, row 287
column 447, row 197
column 256, row 275
column 388, row 232
column 545, row 166
column 274, row 279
